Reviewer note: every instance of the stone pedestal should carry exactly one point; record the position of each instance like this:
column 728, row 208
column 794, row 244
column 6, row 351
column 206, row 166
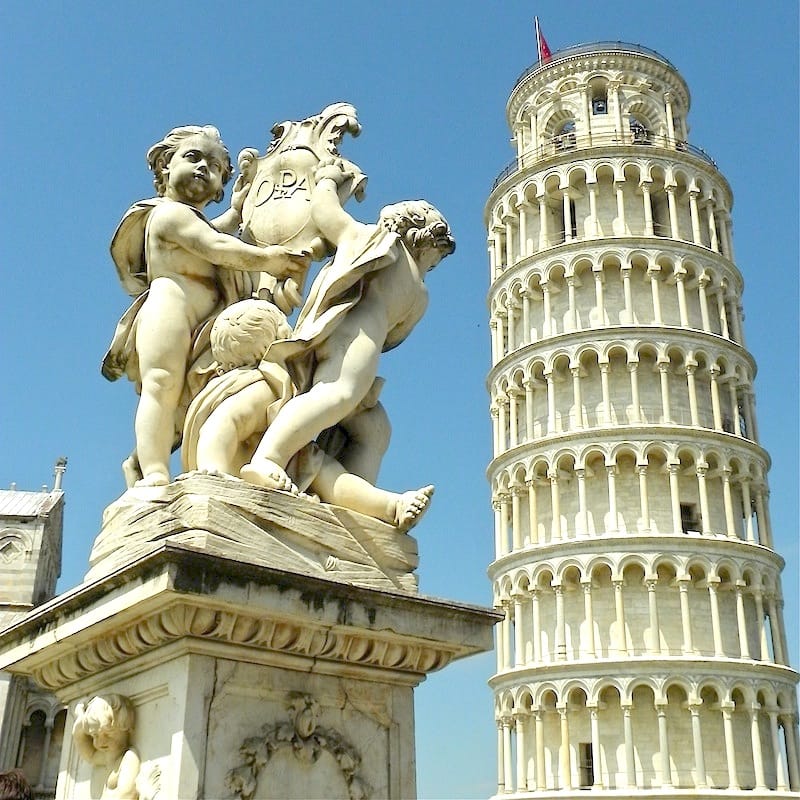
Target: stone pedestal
column 247, row 681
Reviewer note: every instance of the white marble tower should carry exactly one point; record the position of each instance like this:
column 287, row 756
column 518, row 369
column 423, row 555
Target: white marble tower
column 643, row 648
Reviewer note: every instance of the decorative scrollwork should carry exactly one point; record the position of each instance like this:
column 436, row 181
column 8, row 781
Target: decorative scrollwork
column 307, row 741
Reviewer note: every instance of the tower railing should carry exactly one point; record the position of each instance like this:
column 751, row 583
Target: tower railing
column 571, row 141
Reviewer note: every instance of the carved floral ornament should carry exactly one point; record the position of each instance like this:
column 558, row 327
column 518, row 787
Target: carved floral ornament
column 352, row 646
column 307, row 741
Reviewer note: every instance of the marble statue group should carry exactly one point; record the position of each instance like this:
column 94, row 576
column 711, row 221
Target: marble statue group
column 207, row 341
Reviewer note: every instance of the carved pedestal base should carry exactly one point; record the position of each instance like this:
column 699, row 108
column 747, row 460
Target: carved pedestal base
column 246, row 681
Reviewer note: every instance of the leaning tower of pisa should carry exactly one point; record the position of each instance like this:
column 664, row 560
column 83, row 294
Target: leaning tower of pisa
column 643, row 646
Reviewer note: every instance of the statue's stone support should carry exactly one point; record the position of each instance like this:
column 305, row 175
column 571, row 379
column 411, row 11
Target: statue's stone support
column 246, row 681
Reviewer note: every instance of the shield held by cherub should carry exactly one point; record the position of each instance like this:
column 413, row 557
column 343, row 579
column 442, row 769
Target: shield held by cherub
column 277, row 208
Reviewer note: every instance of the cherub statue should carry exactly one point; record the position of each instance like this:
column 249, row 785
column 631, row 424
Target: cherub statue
column 183, row 269
column 227, row 419
column 365, row 301
column 102, row 733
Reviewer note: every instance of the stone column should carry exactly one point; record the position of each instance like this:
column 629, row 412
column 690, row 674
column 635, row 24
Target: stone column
column 674, row 495
column 611, row 472
column 654, row 273
column 48, row 733
column 593, row 226
column 734, row 400
column 630, row 764
column 588, row 613
column 511, row 308
column 547, row 322
column 501, row 759
column 544, row 234
column 568, row 237
column 747, row 510
column 663, row 371
column 541, row 778
column 762, row 626
column 506, row 623
column 604, row 367
column 644, row 502
column 520, row 720
column 502, row 422
column 519, row 638
column 619, row 608
column 714, row 371
column 775, row 626
column 712, row 227
column 697, row 740
column 523, row 229
column 619, row 186
column 561, row 632
column 648, row 208
column 744, row 645
column 702, row 490
column 730, row 746
column 730, row 522
column 723, row 313
column 613, row 96
column 499, row 647
column 497, row 352
column 702, row 282
column 509, row 242
column 680, row 288
column 573, row 311
column 529, row 401
column 533, row 513
column 691, row 387
column 764, row 533
column 555, row 504
column 508, row 771
column 526, row 337
column 780, row 762
column 652, row 606
column 673, row 212
column 663, row 746
column 576, row 397
column 516, row 520
column 583, row 514
column 696, row 236
column 513, row 421
column 536, row 627
column 599, row 277
column 498, row 530
column 787, row 722
column 502, row 499
column 596, row 764
column 627, row 294
column 565, row 767
column 686, row 620
column 670, row 118
column 755, row 742
column 633, row 369
column 716, row 630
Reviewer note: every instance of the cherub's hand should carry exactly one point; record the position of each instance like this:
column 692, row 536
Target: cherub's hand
column 334, row 169
column 284, row 263
column 239, row 193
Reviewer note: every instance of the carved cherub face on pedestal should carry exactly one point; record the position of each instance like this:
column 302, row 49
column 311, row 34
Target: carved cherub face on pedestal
column 107, row 722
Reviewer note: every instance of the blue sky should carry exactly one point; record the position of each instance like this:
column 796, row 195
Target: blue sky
column 87, row 87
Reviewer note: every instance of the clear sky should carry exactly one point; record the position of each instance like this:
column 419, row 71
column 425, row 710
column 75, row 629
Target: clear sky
column 86, row 88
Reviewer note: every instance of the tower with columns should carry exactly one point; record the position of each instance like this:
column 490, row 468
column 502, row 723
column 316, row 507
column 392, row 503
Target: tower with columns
column 643, row 647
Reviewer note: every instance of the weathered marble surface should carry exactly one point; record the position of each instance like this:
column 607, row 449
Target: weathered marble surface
column 231, row 518
column 247, row 682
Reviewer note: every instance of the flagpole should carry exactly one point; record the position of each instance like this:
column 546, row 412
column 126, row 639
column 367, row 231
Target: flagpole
column 538, row 39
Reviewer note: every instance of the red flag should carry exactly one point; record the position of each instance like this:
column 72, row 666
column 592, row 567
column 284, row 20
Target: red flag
column 541, row 44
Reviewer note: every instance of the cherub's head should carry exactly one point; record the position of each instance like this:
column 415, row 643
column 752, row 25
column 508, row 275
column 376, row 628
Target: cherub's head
column 193, row 145
column 109, row 720
column 424, row 230
column 242, row 333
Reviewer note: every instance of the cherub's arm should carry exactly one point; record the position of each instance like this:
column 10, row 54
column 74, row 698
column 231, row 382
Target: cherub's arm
column 179, row 225
column 333, row 221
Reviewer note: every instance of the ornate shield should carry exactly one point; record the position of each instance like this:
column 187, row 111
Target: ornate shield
column 277, row 209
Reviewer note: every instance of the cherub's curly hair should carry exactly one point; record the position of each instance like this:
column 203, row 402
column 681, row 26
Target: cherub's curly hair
column 243, row 331
column 160, row 154
column 418, row 223
column 108, row 711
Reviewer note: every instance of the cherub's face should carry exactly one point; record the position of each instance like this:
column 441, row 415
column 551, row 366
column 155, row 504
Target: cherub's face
column 109, row 740
column 434, row 247
column 194, row 173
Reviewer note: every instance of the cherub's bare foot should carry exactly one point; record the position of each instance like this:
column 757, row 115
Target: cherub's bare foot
column 264, row 472
column 131, row 471
column 216, row 473
column 153, row 479
column 411, row 506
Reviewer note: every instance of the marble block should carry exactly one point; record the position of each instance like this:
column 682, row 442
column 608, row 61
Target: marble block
column 229, row 517
column 246, row 681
